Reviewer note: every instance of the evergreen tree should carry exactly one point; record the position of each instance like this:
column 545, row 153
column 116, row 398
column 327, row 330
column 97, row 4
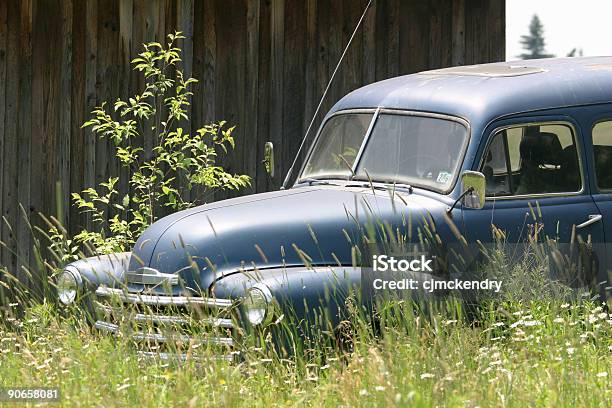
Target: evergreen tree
column 534, row 44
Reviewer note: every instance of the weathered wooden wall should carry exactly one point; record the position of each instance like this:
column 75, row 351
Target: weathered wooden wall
column 263, row 64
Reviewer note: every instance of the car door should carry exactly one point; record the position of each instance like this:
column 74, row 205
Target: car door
column 599, row 151
column 537, row 188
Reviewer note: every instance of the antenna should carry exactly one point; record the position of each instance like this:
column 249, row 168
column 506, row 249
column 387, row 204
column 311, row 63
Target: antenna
column 331, row 79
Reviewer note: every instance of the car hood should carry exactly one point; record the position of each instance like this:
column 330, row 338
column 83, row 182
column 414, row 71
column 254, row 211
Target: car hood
column 317, row 225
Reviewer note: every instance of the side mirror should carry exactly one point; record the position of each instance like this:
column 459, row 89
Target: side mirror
column 473, row 189
column 268, row 160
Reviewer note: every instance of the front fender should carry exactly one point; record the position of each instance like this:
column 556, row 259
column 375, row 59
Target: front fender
column 300, row 293
column 99, row 270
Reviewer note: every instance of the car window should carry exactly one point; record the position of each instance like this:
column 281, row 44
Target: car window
column 338, row 145
column 532, row 159
column 417, row 150
column 602, row 152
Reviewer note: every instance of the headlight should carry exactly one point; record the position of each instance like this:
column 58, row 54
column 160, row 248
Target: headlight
column 258, row 304
column 68, row 286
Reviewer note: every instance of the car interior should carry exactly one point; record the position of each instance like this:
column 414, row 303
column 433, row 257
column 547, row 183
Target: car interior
column 532, row 160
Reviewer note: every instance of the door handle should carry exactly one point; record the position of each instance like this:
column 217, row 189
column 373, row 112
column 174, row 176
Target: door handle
column 593, row 218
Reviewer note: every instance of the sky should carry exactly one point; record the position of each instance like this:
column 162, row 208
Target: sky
column 567, row 24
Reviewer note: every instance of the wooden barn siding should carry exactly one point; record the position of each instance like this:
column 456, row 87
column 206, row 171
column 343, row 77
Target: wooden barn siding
column 262, row 65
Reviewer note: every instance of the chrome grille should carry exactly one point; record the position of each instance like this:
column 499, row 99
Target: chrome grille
column 168, row 327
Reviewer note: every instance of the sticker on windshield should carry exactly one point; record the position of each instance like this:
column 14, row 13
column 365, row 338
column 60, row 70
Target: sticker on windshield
column 443, row 177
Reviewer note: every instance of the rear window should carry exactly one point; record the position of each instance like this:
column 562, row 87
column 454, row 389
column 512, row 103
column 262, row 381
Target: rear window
column 602, row 152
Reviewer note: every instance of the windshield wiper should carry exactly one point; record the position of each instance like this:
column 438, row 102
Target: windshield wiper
column 400, row 186
column 312, row 181
column 386, row 185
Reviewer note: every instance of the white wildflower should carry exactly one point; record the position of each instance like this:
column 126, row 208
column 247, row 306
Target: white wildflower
column 517, row 323
column 379, row 388
column 602, row 374
column 426, row 375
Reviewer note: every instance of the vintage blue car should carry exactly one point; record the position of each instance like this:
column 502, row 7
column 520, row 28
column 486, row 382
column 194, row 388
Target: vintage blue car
column 478, row 145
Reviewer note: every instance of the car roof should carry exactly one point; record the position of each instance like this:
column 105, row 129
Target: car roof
column 487, row 91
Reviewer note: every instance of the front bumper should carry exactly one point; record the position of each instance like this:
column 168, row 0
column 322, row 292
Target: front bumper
column 170, row 327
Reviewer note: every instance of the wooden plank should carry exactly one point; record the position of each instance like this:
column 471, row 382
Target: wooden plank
column 4, row 28
column 139, row 37
column 446, row 34
column 252, row 152
column 184, row 11
column 40, row 115
column 25, row 133
column 335, row 41
column 294, row 72
column 200, row 94
column 209, row 24
column 497, row 30
column 184, row 23
column 65, row 119
column 78, row 111
column 323, row 57
column 311, row 55
column 382, row 37
column 103, row 86
column 91, row 95
column 237, row 101
column 11, row 136
column 126, row 15
column 458, row 36
column 414, row 37
column 435, row 35
column 310, row 94
column 277, row 59
column 152, row 31
column 169, row 15
column 43, row 118
column 263, row 92
column 352, row 64
column 369, row 45
column 393, row 38
column 126, row 19
column 475, row 36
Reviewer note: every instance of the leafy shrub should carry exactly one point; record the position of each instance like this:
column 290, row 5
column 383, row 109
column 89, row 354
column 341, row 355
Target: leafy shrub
column 158, row 113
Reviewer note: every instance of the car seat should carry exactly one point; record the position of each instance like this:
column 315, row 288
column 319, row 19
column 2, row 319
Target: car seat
column 541, row 158
column 569, row 179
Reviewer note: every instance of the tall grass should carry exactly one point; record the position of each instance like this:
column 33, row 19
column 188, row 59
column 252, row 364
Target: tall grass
column 535, row 354
column 516, row 350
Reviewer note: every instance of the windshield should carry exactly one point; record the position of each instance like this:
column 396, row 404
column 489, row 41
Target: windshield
column 419, row 150
column 337, row 146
